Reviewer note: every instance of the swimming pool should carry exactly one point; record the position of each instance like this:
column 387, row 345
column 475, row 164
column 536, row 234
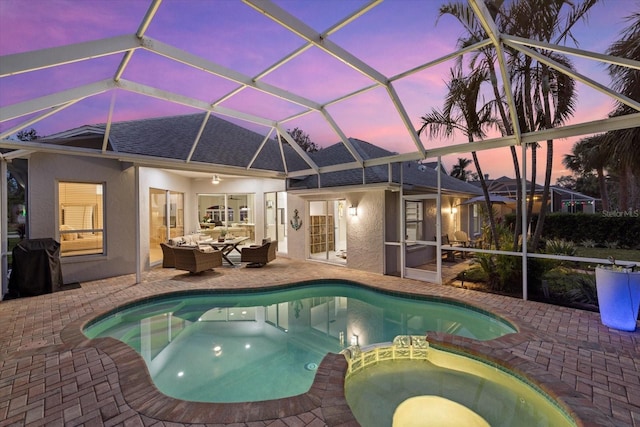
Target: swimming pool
column 238, row 347
column 397, row 383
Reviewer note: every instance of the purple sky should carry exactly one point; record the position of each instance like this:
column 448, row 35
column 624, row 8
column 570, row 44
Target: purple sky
column 393, row 37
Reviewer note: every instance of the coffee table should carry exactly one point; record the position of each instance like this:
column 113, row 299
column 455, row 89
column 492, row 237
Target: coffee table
column 227, row 246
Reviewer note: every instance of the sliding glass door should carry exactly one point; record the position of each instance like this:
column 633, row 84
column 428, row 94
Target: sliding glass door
column 275, row 218
column 328, row 231
column 166, row 219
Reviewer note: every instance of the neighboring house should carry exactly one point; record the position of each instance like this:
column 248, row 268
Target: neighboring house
column 111, row 203
column 561, row 199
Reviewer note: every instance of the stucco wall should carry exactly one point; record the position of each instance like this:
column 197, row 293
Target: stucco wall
column 297, row 238
column 365, row 232
column 45, row 171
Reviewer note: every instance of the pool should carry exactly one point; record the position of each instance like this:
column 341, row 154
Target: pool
column 213, row 346
column 393, row 384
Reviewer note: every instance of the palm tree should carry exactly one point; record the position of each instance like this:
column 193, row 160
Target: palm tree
column 545, row 97
column 460, row 113
column 483, row 61
column 459, row 170
column 588, row 154
column 624, row 145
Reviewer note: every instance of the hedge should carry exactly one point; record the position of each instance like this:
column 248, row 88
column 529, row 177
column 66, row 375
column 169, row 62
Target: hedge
column 600, row 228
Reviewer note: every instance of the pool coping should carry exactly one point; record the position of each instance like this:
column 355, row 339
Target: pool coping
column 326, row 396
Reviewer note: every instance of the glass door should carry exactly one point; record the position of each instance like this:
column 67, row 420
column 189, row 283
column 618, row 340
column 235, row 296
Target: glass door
column 275, row 218
column 420, row 237
column 166, row 219
column 328, row 231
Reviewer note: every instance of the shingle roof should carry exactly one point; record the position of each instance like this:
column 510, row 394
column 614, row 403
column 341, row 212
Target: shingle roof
column 415, row 175
column 221, row 142
column 226, row 143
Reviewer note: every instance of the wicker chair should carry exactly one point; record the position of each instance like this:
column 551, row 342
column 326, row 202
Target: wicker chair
column 258, row 256
column 168, row 260
column 196, row 260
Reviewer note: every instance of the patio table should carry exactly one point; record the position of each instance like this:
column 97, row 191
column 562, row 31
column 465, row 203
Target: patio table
column 227, row 247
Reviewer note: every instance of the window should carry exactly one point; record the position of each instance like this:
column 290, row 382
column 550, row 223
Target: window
column 414, row 220
column 80, row 218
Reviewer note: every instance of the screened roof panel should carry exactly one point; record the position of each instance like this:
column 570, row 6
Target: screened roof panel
column 171, row 57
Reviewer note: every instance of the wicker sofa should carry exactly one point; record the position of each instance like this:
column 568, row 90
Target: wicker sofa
column 195, row 260
column 258, row 256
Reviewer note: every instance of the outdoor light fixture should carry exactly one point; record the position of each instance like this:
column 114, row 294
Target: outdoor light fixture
column 215, row 179
column 353, row 210
column 454, row 210
column 354, row 339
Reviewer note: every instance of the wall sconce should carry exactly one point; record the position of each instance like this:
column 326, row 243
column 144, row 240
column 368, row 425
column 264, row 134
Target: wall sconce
column 454, row 210
column 354, row 339
column 215, row 179
column 353, row 211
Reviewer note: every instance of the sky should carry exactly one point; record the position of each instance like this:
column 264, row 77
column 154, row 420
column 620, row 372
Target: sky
column 392, row 37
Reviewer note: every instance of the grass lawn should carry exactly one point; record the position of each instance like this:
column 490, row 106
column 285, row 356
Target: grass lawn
column 621, row 254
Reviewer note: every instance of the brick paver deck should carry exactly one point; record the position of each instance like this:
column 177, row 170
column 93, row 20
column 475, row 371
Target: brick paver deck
column 50, row 374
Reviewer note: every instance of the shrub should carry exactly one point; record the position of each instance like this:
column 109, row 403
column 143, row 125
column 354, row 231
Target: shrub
column 588, row 243
column 611, row 245
column 560, row 247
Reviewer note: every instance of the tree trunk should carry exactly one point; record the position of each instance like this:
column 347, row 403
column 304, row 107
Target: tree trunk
column 514, row 156
column 547, row 175
column 485, row 191
column 602, row 183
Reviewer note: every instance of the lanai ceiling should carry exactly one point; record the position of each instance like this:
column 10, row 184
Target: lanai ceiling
column 335, row 69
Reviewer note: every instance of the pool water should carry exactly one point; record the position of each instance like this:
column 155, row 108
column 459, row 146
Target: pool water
column 239, row 347
column 501, row 399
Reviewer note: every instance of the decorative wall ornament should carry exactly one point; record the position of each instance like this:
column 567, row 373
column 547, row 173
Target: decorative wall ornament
column 296, row 222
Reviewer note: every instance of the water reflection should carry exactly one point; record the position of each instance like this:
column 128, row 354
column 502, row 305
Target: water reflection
column 229, row 348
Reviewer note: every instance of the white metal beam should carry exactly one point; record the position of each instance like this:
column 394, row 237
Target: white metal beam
column 298, row 27
column 138, row 159
column 594, row 56
column 54, row 100
column 343, row 137
column 405, row 118
column 198, row 136
column 483, row 15
column 296, row 147
column 575, row 75
column 200, row 63
column 18, row 63
column 35, row 119
column 190, row 102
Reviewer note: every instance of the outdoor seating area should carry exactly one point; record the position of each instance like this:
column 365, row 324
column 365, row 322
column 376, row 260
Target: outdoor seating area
column 259, row 256
column 449, row 253
column 196, row 260
column 196, row 254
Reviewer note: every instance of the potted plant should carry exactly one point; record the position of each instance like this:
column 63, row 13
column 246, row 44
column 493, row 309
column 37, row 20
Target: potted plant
column 618, row 288
column 223, row 233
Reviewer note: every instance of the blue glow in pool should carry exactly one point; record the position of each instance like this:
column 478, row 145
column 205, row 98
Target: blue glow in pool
column 211, row 346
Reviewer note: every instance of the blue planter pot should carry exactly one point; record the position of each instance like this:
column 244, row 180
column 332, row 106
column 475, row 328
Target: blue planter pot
column 618, row 298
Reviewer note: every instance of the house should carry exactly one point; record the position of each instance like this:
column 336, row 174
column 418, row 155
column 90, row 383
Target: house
column 111, row 203
column 561, row 199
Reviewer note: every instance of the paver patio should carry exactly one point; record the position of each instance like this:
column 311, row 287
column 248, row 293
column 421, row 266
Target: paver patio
column 51, row 375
